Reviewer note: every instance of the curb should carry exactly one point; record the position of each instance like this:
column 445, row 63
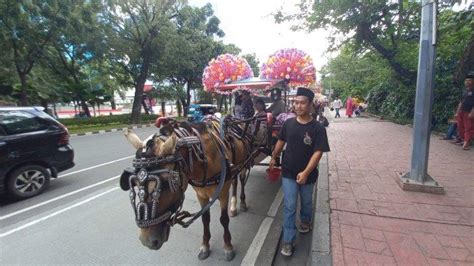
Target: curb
column 321, row 238
column 111, row 130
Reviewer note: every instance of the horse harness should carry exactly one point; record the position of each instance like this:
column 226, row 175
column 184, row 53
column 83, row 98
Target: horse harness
column 146, row 169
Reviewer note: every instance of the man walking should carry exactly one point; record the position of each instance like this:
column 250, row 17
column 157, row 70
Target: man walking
column 305, row 140
column 337, row 104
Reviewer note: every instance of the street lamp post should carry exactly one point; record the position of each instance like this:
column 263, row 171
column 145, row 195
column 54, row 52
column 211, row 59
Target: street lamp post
column 418, row 179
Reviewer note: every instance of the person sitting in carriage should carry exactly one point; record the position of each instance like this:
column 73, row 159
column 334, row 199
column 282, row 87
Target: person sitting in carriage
column 247, row 105
column 261, row 124
column 278, row 105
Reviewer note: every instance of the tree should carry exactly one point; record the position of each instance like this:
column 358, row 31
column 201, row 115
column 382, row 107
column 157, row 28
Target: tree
column 190, row 48
column 137, row 33
column 385, row 27
column 26, row 28
column 79, row 44
column 253, row 62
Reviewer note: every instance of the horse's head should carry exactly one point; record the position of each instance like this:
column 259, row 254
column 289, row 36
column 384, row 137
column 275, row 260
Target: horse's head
column 156, row 185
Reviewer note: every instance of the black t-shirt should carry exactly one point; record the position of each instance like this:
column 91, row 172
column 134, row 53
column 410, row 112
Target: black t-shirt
column 302, row 140
column 467, row 101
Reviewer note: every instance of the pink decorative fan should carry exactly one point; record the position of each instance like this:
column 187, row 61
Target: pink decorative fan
column 291, row 64
column 223, row 70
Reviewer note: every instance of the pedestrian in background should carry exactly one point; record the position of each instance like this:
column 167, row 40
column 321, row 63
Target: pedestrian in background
column 305, row 140
column 337, row 104
column 349, row 107
column 465, row 114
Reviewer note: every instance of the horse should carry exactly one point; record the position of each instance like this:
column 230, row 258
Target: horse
column 165, row 163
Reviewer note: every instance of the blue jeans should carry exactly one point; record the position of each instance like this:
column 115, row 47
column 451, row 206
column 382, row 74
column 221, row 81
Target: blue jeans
column 290, row 192
column 452, row 130
column 337, row 112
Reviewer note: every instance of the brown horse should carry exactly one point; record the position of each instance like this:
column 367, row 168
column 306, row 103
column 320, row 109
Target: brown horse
column 254, row 138
column 165, row 163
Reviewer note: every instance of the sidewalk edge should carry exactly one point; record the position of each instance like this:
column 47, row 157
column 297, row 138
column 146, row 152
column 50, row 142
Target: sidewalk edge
column 321, row 239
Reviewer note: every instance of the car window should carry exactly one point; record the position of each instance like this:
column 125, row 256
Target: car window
column 16, row 122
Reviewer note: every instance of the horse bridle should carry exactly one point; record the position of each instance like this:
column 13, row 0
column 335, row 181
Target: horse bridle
column 146, row 212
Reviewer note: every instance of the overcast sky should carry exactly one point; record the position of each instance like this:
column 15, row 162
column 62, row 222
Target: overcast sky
column 249, row 25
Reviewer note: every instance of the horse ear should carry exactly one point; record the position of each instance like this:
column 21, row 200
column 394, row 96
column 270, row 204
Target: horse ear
column 168, row 146
column 133, row 139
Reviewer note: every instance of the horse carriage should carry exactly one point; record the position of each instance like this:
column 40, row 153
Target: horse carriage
column 211, row 155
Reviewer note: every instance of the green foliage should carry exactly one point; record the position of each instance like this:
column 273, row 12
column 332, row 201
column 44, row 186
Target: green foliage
column 378, row 44
column 85, row 51
column 104, row 120
column 253, row 62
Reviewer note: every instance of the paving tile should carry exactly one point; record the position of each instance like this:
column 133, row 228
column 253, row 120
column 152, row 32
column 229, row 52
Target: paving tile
column 460, row 254
column 449, row 241
column 372, row 234
column 405, row 249
column 347, row 205
column 379, row 247
column 352, row 237
column 430, row 246
column 357, row 257
column 349, row 218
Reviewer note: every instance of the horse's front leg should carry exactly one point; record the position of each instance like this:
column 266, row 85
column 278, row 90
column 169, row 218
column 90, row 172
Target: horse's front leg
column 243, row 180
column 205, row 251
column 233, row 201
column 229, row 253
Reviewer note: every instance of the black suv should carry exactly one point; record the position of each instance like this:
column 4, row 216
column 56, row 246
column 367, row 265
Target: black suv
column 33, row 147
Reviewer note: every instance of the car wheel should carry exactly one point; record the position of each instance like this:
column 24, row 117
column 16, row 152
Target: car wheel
column 28, row 181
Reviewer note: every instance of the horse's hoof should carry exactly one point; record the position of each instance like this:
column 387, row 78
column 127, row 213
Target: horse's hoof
column 232, row 213
column 204, row 254
column 243, row 207
column 229, row 255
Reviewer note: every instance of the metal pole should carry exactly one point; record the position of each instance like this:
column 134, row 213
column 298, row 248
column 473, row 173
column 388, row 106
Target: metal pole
column 424, row 94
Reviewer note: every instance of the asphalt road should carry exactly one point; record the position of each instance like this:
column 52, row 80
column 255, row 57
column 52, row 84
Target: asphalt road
column 84, row 217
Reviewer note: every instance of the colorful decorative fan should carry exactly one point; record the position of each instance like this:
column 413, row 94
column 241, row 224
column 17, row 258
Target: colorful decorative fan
column 291, row 64
column 223, row 70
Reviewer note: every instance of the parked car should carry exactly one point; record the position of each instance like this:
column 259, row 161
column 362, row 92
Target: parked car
column 33, row 148
column 196, row 112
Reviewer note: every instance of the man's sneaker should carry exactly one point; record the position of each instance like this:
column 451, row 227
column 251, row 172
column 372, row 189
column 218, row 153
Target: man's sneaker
column 304, row 227
column 287, row 249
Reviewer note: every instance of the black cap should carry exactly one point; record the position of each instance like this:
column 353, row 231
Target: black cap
column 302, row 91
column 470, row 75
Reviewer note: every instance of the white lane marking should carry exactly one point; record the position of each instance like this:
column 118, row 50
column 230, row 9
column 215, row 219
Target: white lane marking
column 272, row 211
column 96, row 166
column 55, row 213
column 57, row 198
column 257, row 243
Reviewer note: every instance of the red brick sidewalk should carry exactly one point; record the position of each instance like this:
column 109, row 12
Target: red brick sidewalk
column 374, row 222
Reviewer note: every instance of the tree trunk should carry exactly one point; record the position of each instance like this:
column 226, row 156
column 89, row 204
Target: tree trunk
column 226, row 106
column 163, row 108
column 185, row 108
column 112, row 104
column 85, row 108
column 179, row 108
column 23, row 92
column 188, row 97
column 140, row 84
column 55, row 110
column 145, row 106
column 220, row 103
